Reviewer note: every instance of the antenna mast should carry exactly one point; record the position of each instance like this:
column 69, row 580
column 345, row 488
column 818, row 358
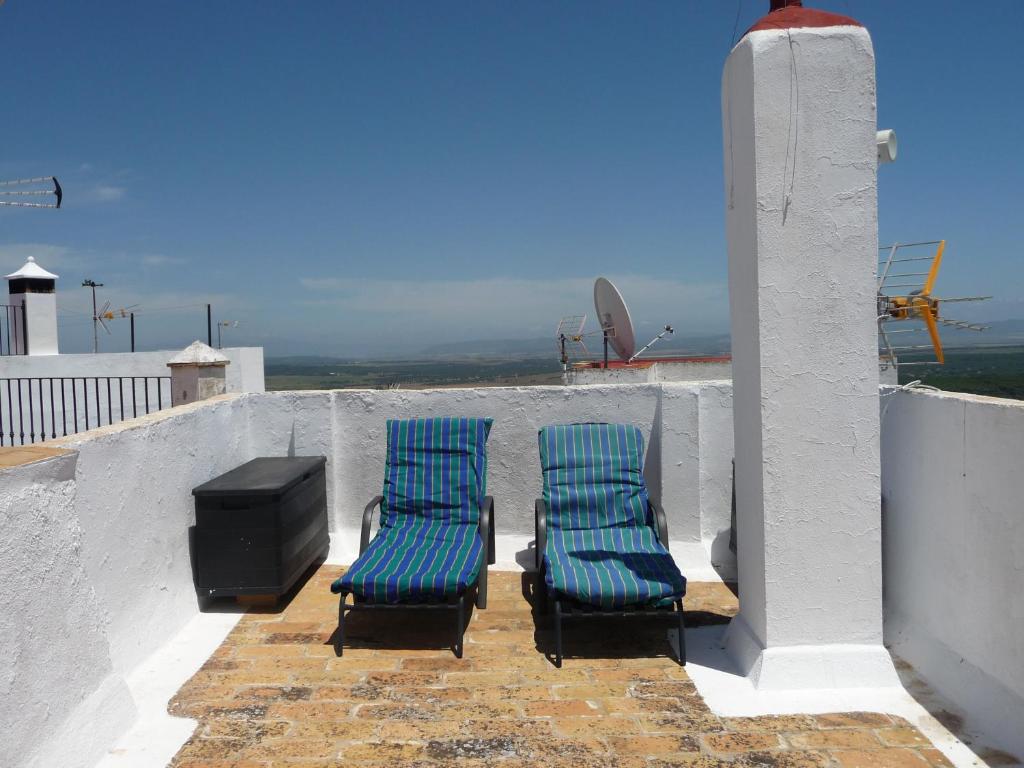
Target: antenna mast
column 95, row 316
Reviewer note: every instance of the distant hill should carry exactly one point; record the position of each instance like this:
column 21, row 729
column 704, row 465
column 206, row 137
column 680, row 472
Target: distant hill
column 492, row 348
column 999, row 332
column 546, row 347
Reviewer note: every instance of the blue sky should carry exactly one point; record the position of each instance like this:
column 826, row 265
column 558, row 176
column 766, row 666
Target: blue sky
column 349, row 177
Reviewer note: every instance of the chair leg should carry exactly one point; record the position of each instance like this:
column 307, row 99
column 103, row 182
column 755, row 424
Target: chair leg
column 481, row 583
column 461, row 618
column 339, row 635
column 491, row 554
column 541, row 592
column 682, row 636
column 558, row 634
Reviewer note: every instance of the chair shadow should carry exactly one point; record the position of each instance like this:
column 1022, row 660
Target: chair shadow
column 402, row 630
column 636, row 637
column 527, row 558
column 647, row 566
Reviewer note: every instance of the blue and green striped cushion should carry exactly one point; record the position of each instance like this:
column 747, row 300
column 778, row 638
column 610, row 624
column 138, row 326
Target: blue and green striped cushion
column 436, row 469
column 419, row 561
column 593, row 475
column 612, row 568
column 602, row 549
column 434, row 484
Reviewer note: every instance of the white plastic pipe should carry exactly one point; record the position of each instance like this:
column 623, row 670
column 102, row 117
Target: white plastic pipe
column 886, row 142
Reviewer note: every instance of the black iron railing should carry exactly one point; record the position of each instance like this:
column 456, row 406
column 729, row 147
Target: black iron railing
column 43, row 408
column 12, row 330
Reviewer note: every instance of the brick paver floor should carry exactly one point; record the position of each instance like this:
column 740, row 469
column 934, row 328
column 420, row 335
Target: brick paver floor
column 274, row 694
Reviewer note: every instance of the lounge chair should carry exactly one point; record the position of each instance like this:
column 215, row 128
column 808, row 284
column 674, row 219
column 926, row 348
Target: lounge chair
column 436, row 534
column 602, row 544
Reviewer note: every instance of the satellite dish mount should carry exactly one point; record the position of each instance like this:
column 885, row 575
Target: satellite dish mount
column 616, row 327
column 616, row 324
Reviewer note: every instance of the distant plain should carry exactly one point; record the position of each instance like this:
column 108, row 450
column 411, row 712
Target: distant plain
column 996, row 370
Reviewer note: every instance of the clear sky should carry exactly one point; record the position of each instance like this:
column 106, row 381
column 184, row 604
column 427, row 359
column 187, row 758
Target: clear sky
column 356, row 176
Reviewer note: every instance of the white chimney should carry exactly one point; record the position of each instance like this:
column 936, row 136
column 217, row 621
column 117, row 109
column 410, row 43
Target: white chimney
column 33, row 313
column 801, row 161
column 197, row 373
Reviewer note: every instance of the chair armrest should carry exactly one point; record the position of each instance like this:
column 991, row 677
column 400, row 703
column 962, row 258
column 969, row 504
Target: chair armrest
column 491, row 550
column 486, row 527
column 364, row 534
column 540, row 510
column 660, row 523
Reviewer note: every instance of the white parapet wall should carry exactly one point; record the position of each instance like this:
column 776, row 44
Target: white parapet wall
column 244, row 373
column 95, row 566
column 42, row 398
column 718, row 369
column 953, row 541
column 59, row 684
column 688, row 469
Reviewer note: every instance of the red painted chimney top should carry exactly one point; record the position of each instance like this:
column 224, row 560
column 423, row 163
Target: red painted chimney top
column 790, row 14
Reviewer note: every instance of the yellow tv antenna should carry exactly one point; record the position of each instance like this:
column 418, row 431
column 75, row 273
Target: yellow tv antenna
column 896, row 303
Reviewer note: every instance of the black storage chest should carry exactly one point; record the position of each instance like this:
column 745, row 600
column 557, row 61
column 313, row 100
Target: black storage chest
column 260, row 526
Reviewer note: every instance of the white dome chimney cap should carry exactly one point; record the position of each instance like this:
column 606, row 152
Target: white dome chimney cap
column 200, row 355
column 32, row 270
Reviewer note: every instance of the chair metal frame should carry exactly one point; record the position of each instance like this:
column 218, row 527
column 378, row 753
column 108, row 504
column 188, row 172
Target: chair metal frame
column 456, row 603
column 567, row 607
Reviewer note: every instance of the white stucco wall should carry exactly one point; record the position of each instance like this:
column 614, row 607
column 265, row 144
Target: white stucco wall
column 650, row 374
column 61, row 702
column 134, row 482
column 348, row 427
column 715, row 475
column 40, row 321
column 96, row 571
column 93, row 404
column 244, row 374
column 954, row 551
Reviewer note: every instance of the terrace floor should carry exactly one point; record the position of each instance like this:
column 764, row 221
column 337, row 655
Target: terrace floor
column 274, row 694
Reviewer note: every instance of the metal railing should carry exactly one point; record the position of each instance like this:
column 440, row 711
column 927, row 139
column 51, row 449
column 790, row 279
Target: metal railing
column 13, row 340
column 44, row 408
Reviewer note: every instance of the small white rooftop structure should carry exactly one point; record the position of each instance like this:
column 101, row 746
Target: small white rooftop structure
column 33, row 324
column 199, row 354
column 32, row 271
column 197, row 372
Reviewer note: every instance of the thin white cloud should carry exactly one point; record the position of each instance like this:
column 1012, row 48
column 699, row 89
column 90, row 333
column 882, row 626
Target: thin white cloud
column 103, row 193
column 160, row 260
column 48, row 256
column 60, row 257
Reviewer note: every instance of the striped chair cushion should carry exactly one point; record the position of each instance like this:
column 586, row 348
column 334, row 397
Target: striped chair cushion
column 434, row 484
column 593, row 476
column 611, row 568
column 421, row 561
column 436, row 469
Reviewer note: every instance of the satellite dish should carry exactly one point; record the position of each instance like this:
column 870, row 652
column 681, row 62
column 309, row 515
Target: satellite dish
column 614, row 318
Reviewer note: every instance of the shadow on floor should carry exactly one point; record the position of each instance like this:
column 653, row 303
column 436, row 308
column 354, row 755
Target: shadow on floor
column 234, row 605
column 951, row 720
column 399, row 630
column 609, row 638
